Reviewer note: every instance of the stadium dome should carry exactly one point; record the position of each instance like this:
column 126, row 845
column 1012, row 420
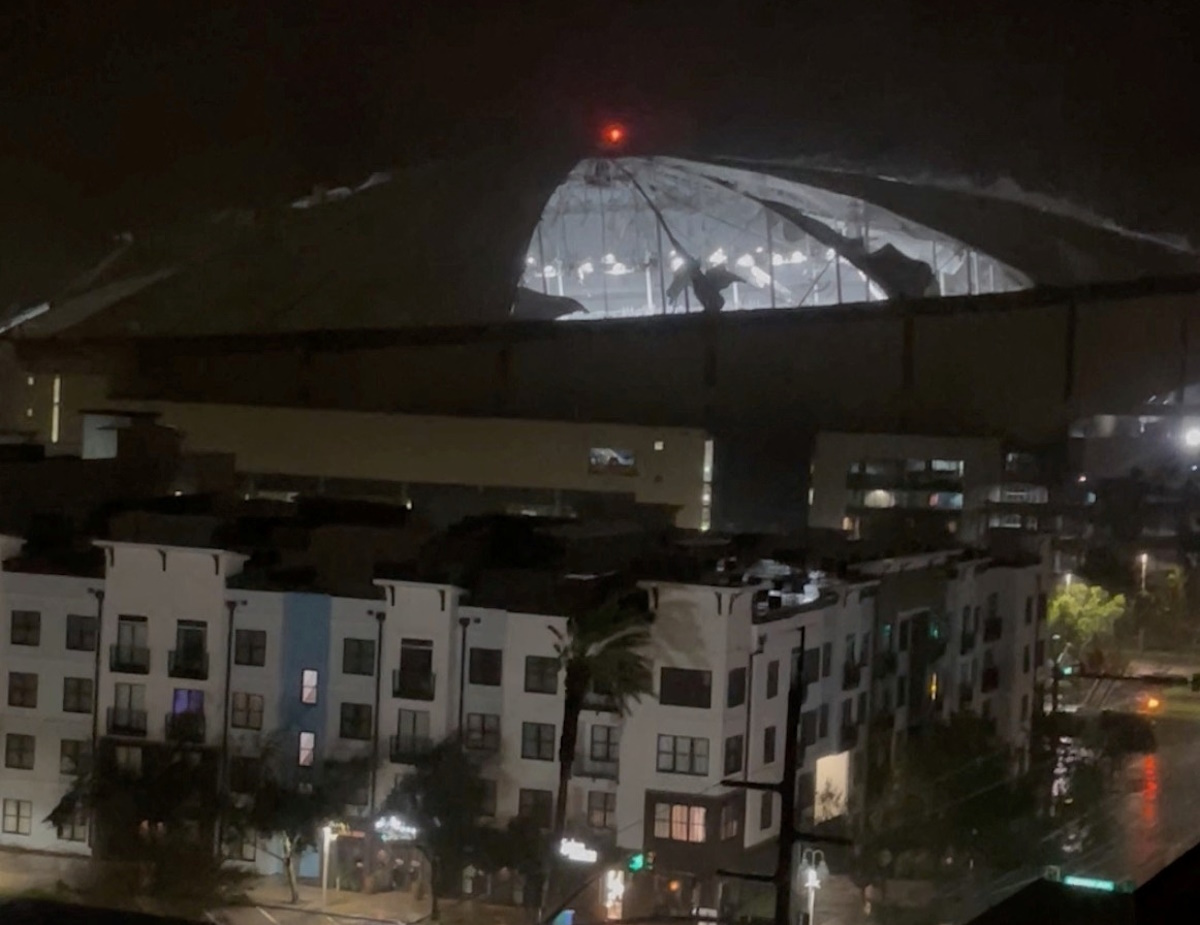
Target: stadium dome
column 633, row 236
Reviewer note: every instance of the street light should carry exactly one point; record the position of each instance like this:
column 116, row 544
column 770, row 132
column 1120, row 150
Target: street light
column 810, row 873
column 1143, row 560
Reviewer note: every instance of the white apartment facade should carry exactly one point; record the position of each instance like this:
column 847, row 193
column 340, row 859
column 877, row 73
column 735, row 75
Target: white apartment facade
column 315, row 675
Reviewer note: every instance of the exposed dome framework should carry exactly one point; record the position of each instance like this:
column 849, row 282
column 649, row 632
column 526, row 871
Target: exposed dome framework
column 634, row 236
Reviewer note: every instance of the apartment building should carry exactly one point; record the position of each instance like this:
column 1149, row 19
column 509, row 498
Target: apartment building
column 166, row 646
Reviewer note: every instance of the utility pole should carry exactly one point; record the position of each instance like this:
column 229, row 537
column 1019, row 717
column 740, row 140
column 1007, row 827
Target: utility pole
column 786, row 788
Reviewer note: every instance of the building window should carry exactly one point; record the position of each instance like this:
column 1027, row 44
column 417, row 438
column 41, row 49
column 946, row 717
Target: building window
column 602, row 809
column 412, row 732
column 607, row 460
column 358, row 656
column 735, row 693
column 1024, row 707
column 75, row 828
column 773, row 679
column 685, row 687
column 729, row 821
column 1025, row 660
column 19, row 751
column 483, row 732
column 26, row 628
column 682, row 755
column 769, row 744
column 307, row 750
column 537, row 805
column 18, row 817
column 734, row 748
column 81, row 632
column 356, row 721
column 808, row 731
column 77, row 695
column 901, row 691
column 541, row 674
column 488, row 803
column 1028, row 610
column 75, row 757
column 128, row 759
column 766, row 811
column 308, row 685
column 246, row 711
column 250, row 647
column 22, row 689
column 485, row 667
column 604, row 743
column 904, row 634
column 826, row 659
column 679, row 822
column 823, row 721
column 537, row 741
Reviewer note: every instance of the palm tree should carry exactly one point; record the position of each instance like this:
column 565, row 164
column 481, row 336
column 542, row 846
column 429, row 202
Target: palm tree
column 601, row 651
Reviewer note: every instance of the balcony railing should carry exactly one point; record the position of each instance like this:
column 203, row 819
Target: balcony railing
column 966, row 693
column 851, row 675
column 968, row 643
column 123, row 721
column 990, row 680
column 412, row 685
column 129, row 659
column 587, row 766
column 847, row 737
column 601, row 703
column 186, row 727
column 992, row 628
column 406, row 749
column 885, row 664
column 187, row 663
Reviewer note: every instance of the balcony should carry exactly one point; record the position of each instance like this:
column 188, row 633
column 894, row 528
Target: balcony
column 990, row 680
column 935, row 649
column 885, row 664
column 992, row 628
column 968, row 643
column 851, row 675
column 966, row 693
column 586, row 766
column 123, row 721
column 406, row 749
column 413, row 686
column 129, row 659
column 186, row 728
column 188, row 663
column 847, row 737
column 601, row 703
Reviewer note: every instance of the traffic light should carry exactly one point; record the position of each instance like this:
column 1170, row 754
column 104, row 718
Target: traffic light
column 643, row 860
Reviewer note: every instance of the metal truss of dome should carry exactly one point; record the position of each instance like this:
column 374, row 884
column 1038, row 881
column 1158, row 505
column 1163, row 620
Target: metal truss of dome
column 628, row 237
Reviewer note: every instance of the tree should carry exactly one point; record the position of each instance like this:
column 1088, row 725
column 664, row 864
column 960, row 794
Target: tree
column 284, row 807
column 601, row 651
column 443, row 797
column 157, row 820
column 1084, row 614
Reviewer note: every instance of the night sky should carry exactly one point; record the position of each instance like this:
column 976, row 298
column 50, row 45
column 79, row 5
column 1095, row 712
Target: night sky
column 153, row 107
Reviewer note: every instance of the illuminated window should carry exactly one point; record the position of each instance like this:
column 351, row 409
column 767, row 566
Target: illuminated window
column 308, row 686
column 878, row 498
column 18, row 817
column 607, row 460
column 659, row 446
column 308, row 747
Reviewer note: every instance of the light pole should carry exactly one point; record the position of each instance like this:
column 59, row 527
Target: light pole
column 1143, row 560
column 813, row 868
column 327, row 841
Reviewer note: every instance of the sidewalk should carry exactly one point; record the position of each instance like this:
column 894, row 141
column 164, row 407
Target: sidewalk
column 393, row 906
